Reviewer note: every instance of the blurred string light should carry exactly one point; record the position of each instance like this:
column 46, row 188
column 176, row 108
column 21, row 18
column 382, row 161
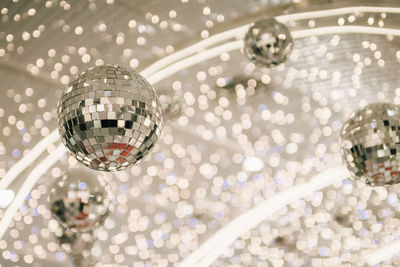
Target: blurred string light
column 347, row 28
column 152, row 74
column 235, row 45
column 211, row 249
column 28, row 159
column 168, row 71
column 157, row 77
column 232, row 33
column 253, row 164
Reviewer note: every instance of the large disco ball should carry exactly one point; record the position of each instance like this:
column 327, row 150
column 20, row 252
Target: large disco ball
column 109, row 117
column 268, row 42
column 370, row 144
column 80, row 200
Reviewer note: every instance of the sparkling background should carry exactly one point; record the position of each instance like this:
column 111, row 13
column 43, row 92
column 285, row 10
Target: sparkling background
column 195, row 181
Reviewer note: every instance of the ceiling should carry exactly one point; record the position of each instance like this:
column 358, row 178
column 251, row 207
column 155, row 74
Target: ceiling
column 199, row 178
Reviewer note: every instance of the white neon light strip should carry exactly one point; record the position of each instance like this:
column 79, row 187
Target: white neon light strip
column 211, row 249
column 193, row 60
column 26, row 160
column 226, row 35
column 384, row 253
column 336, row 12
column 27, row 186
column 190, row 50
column 344, row 29
column 228, row 47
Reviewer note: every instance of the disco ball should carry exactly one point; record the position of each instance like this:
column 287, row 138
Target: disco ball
column 109, row 118
column 370, row 141
column 80, row 200
column 268, row 42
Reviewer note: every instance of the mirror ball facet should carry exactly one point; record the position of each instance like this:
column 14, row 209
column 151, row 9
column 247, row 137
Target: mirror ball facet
column 268, row 42
column 109, row 117
column 370, row 144
column 80, row 200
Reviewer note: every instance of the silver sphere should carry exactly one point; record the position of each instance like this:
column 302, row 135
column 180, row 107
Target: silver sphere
column 80, row 200
column 109, row 117
column 268, row 42
column 370, row 144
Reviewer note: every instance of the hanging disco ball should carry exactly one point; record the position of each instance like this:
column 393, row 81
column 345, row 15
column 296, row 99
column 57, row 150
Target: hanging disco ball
column 268, row 42
column 80, row 200
column 370, row 142
column 109, row 117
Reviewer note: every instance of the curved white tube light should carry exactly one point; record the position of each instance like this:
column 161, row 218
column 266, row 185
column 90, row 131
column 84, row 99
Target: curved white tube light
column 216, row 51
column 344, row 29
column 383, row 253
column 226, row 35
column 26, row 160
column 27, row 186
column 211, row 249
column 193, row 60
column 336, row 12
column 193, row 49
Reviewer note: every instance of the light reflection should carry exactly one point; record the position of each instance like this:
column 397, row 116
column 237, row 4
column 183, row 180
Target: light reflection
column 6, row 197
column 253, row 164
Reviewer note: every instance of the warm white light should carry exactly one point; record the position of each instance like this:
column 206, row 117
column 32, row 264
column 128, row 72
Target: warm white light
column 28, row 184
column 253, row 164
column 232, row 33
column 28, row 159
column 193, row 60
column 383, row 253
column 211, row 249
column 6, row 196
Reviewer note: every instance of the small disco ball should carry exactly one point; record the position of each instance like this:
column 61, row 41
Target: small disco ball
column 268, row 42
column 370, row 144
column 109, row 117
column 80, row 200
